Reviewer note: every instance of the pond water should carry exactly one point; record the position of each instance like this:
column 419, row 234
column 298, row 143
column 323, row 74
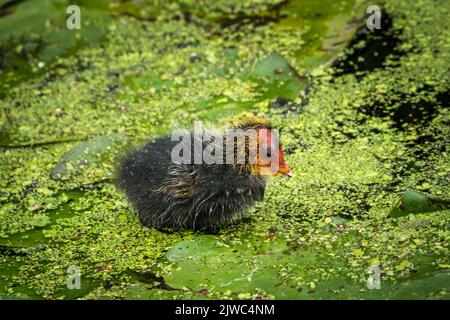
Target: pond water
column 364, row 121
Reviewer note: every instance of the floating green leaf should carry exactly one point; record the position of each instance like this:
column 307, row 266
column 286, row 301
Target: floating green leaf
column 86, row 154
column 279, row 77
column 413, row 202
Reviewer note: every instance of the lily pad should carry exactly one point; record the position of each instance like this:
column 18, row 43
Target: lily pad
column 206, row 263
column 279, row 77
column 87, row 153
column 413, row 202
column 27, row 50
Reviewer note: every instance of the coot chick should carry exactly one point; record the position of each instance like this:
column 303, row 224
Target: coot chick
column 171, row 193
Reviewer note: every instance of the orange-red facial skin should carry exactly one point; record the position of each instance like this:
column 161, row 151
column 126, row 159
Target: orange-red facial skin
column 264, row 168
column 283, row 167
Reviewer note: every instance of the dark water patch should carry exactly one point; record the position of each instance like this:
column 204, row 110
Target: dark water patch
column 11, row 251
column 300, row 143
column 341, row 128
column 407, row 111
column 418, row 113
column 427, row 145
column 285, row 106
column 378, row 45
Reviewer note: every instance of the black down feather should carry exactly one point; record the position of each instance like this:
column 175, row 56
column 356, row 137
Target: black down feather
column 195, row 196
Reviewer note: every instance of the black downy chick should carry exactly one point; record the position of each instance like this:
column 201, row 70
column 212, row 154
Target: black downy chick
column 195, row 196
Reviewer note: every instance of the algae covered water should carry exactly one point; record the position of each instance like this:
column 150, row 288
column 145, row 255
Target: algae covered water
column 364, row 123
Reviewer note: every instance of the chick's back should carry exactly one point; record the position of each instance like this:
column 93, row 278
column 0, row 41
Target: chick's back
column 169, row 194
